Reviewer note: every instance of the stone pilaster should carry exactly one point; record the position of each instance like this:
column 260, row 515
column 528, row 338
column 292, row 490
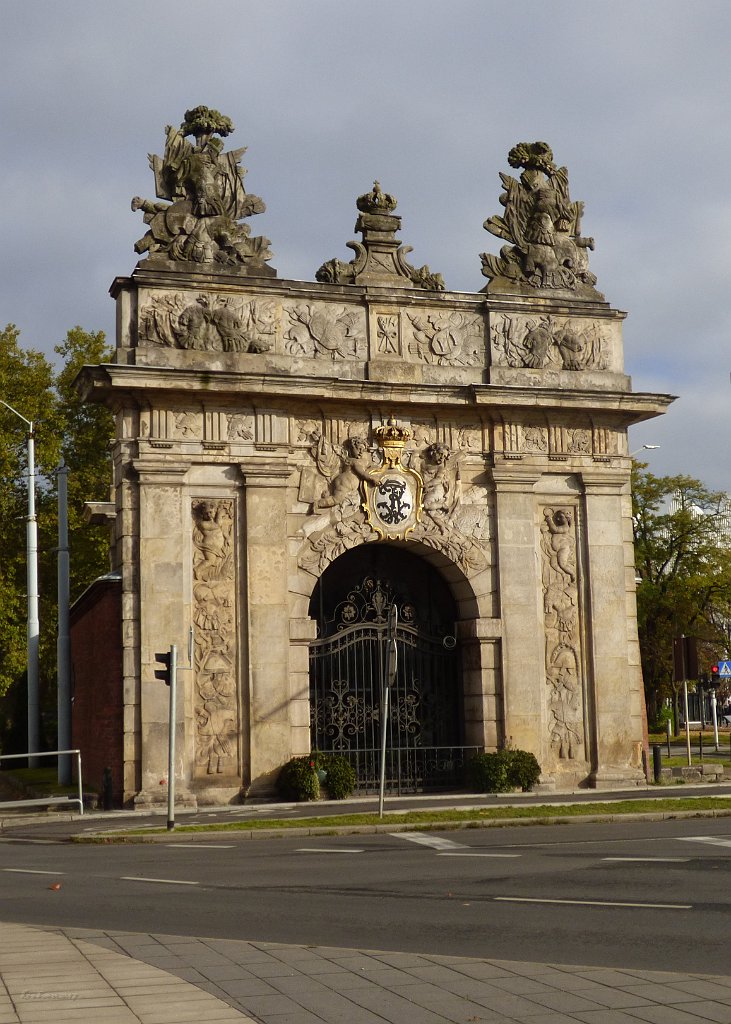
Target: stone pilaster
column 611, row 632
column 163, row 527
column 520, row 608
column 267, row 617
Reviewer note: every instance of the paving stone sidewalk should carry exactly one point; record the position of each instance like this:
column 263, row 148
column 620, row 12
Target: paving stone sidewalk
column 83, row 975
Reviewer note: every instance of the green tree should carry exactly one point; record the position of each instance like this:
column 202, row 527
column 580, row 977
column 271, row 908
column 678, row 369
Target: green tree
column 682, row 535
column 63, row 427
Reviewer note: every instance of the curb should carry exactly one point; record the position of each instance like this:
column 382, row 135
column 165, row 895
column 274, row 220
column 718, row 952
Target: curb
column 241, row 835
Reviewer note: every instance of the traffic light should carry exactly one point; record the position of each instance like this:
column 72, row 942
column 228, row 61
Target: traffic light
column 162, row 672
column 715, row 677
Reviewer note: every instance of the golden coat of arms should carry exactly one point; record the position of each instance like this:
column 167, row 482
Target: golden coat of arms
column 393, row 492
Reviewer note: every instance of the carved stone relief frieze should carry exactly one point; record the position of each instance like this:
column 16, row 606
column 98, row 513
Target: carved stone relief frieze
column 214, row 618
column 188, row 425
column 547, row 342
column 564, row 671
column 535, row 439
column 318, row 330
column 210, row 322
column 339, row 487
column 446, row 339
column 577, row 440
column 240, row 427
column 388, row 334
column 449, row 523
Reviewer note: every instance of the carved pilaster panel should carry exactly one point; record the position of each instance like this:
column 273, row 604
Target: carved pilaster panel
column 385, row 334
column 562, row 626
column 215, row 691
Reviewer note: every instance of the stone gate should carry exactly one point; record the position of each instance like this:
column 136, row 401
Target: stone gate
column 267, row 428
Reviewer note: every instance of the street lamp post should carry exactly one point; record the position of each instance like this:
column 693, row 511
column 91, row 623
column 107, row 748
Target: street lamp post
column 31, row 535
column 645, row 447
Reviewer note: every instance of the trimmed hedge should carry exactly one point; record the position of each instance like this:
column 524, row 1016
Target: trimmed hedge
column 298, row 778
column 502, row 771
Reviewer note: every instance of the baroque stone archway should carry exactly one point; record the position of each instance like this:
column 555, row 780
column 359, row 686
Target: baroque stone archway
column 267, row 428
column 351, row 604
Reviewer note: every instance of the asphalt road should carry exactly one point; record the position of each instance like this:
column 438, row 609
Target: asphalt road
column 654, row 894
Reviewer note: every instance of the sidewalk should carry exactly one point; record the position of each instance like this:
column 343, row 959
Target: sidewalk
column 123, row 978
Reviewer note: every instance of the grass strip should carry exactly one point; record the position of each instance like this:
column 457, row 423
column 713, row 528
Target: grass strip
column 445, row 818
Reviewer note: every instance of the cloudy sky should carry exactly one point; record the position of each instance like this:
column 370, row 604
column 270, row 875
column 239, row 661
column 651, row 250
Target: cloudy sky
column 426, row 95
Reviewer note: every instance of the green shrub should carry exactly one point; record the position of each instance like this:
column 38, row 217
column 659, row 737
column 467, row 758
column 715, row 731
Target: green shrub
column 340, row 780
column 488, row 773
column 503, row 770
column 297, row 779
column 523, row 769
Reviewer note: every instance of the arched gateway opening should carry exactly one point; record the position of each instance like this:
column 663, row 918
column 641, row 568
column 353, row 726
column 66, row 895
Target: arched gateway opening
column 351, row 604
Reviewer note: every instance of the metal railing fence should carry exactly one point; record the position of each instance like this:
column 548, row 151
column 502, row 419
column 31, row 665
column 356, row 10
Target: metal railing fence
column 46, row 800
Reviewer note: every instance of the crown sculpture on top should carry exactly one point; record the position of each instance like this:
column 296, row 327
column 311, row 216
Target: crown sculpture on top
column 380, row 258
column 543, row 227
column 205, row 202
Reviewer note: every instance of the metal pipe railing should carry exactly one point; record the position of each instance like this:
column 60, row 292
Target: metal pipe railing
column 42, row 801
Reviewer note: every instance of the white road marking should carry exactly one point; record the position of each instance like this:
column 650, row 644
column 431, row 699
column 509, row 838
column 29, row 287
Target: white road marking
column 436, row 842
column 162, row 881
column 594, row 903
column 38, row 842
column 650, row 860
column 33, row 871
column 197, row 846
column 470, row 853
column 711, row 840
column 340, row 849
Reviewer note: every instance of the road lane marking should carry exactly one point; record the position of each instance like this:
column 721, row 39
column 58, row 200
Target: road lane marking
column 318, row 849
column 594, row 903
column 198, row 846
column 436, row 842
column 650, row 860
column 39, row 842
column 161, row 881
column 711, row 840
column 33, row 871
column 470, row 853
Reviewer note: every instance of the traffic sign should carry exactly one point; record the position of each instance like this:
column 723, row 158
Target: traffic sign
column 724, row 669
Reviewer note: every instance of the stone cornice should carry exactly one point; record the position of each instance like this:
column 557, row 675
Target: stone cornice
column 104, row 383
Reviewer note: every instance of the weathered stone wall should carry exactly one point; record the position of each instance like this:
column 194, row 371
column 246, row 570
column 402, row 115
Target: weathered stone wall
column 245, row 436
column 266, row 426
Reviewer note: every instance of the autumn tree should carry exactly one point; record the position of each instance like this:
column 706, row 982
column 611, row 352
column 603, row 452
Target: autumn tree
column 682, row 533
column 63, row 428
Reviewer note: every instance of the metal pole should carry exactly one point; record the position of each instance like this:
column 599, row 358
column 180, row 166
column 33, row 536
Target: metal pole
column 389, row 666
column 171, row 737
column 687, row 723
column 31, row 544
column 714, row 716
column 702, row 716
column 33, row 629
column 63, row 644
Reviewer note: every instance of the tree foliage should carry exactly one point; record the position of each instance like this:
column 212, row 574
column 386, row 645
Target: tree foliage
column 63, row 428
column 682, row 535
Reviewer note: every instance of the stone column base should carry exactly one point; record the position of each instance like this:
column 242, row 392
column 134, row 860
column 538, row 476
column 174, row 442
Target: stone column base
column 616, row 778
column 149, row 799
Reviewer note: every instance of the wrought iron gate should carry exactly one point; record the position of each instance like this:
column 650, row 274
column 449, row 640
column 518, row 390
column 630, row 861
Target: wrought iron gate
column 346, row 676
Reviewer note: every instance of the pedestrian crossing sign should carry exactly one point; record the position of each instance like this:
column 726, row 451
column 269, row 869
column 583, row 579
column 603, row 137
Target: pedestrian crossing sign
column 724, row 669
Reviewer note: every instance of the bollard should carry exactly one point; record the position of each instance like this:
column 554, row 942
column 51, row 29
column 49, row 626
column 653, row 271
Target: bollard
column 656, row 762
column 107, row 789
